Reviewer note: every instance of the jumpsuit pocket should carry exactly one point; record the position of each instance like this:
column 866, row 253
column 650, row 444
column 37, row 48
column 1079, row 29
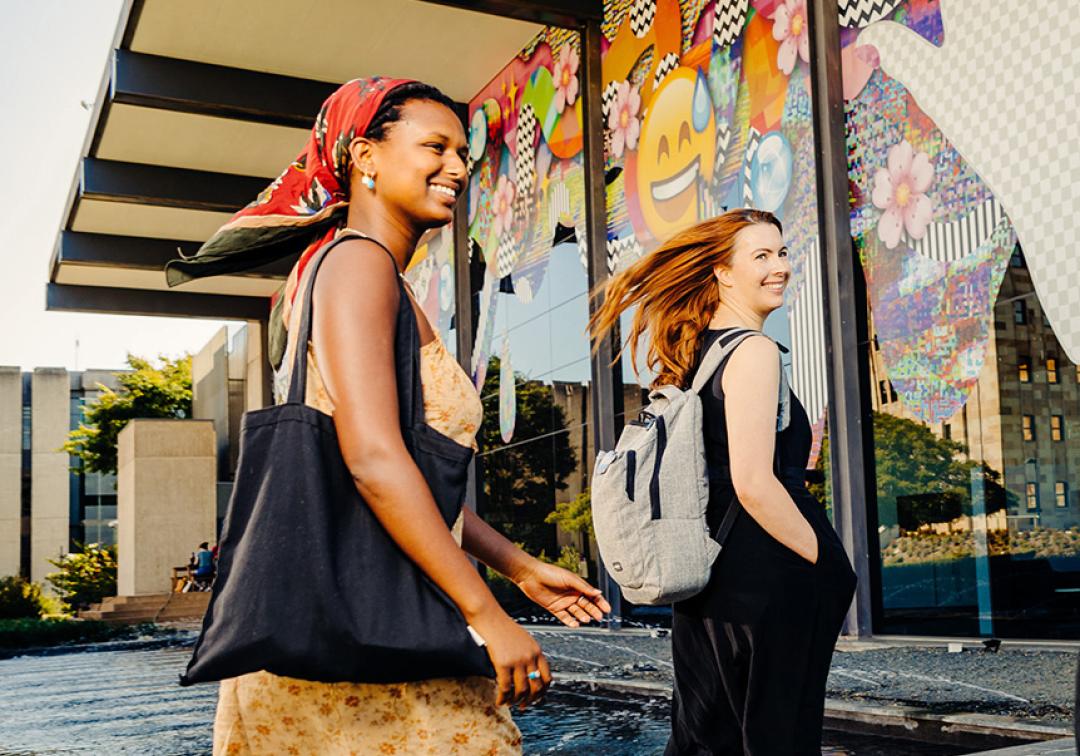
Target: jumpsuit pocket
column 789, row 555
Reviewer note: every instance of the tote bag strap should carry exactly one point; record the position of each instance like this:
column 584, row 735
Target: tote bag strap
column 298, row 376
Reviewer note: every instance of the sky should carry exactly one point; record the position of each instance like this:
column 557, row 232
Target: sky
column 52, row 59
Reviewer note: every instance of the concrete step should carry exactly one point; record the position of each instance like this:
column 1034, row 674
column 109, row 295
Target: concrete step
column 134, row 609
column 146, row 599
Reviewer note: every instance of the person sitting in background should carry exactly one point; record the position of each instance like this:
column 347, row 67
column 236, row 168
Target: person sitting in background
column 204, row 562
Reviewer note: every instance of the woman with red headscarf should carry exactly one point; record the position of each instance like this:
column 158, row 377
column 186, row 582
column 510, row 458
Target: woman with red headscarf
column 384, row 164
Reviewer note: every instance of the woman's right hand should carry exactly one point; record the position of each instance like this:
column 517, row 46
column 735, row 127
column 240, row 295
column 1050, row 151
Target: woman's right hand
column 514, row 654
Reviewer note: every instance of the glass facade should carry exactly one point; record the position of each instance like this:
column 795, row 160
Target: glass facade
column 980, row 533
column 93, row 496
column 969, row 392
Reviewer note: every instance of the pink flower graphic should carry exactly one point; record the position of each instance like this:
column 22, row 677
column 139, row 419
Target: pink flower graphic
column 502, row 203
column 566, row 81
column 622, row 120
column 900, row 190
column 790, row 28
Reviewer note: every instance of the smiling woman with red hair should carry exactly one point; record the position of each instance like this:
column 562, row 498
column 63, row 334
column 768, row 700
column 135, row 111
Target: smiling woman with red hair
column 752, row 650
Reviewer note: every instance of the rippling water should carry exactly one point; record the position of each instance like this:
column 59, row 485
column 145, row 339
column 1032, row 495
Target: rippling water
column 128, row 702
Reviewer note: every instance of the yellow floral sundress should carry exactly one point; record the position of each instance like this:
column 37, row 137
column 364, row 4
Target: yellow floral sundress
column 262, row 713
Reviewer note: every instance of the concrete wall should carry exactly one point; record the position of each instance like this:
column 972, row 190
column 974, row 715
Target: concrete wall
column 50, row 496
column 10, row 469
column 257, row 376
column 167, row 477
column 210, row 393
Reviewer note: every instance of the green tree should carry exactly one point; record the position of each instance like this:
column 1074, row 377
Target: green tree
column 148, row 391
column 574, row 516
column 520, row 480
column 86, row 575
column 921, row 472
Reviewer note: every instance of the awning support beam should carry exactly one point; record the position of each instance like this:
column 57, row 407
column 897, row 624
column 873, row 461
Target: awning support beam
column 172, row 304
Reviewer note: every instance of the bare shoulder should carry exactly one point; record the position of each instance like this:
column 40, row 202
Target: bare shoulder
column 752, row 366
column 755, row 353
column 359, row 265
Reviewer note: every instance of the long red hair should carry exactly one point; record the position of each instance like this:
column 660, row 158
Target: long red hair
column 675, row 292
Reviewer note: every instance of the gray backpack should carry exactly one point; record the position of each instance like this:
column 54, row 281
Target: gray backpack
column 649, row 494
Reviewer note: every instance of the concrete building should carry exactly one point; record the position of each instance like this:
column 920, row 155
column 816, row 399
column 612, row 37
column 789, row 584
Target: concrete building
column 46, row 503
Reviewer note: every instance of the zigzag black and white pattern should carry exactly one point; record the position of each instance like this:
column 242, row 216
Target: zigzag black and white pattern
column 666, row 65
column 753, row 139
column 860, row 13
column 723, row 139
column 729, row 17
column 642, row 13
column 617, row 249
column 504, row 260
column 607, row 99
column 946, row 242
column 525, row 164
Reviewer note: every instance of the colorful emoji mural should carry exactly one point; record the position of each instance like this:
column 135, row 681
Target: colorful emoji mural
column 706, row 107
column 725, row 121
column 431, row 277
column 526, row 189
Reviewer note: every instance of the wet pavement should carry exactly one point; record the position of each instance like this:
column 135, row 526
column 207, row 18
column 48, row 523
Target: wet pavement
column 1018, row 681
column 123, row 698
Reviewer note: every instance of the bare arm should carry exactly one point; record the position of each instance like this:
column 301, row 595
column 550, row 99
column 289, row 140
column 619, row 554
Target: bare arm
column 356, row 303
column 563, row 593
column 493, row 548
column 751, row 381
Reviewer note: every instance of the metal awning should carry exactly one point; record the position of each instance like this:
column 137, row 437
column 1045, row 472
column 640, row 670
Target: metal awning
column 206, row 101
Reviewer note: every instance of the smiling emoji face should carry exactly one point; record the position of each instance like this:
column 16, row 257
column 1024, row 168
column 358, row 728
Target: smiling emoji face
column 676, row 153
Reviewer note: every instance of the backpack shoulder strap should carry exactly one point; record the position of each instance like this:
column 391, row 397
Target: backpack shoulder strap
column 722, row 349
column 716, row 355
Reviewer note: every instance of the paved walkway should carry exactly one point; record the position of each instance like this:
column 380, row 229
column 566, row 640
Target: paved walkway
column 1066, row 747
column 1030, row 684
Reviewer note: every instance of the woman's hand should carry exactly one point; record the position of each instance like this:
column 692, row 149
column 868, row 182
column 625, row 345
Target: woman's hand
column 564, row 594
column 521, row 671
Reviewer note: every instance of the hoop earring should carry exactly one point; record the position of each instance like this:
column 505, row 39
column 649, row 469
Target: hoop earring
column 368, row 181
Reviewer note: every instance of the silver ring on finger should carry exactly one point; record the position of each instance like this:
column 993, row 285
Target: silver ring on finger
column 533, row 675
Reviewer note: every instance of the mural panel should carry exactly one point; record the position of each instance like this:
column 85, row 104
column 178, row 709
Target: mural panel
column 958, row 214
column 706, row 107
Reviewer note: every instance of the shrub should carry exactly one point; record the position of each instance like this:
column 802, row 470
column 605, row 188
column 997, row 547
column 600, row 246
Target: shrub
column 574, row 516
column 19, row 598
column 86, row 576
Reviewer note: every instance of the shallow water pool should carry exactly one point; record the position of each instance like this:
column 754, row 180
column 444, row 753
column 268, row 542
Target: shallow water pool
column 128, row 702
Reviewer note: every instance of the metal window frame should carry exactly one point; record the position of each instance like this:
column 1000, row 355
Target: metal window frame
column 847, row 342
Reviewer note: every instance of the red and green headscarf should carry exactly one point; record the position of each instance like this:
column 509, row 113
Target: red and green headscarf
column 304, row 206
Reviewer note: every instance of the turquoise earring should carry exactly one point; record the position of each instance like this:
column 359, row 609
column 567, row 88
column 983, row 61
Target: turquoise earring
column 369, row 181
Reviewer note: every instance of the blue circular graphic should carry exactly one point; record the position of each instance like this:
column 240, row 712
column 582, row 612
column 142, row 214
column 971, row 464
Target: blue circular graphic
column 478, row 134
column 770, row 172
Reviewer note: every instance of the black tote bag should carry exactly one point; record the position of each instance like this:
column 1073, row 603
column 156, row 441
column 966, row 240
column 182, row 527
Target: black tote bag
column 309, row 584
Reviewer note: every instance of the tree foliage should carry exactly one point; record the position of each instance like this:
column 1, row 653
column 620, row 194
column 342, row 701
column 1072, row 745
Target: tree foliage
column 574, row 516
column 20, row 599
column 520, row 480
column 86, row 575
column 148, row 391
column 921, row 478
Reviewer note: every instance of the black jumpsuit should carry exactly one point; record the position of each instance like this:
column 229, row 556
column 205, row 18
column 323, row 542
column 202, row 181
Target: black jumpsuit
column 752, row 651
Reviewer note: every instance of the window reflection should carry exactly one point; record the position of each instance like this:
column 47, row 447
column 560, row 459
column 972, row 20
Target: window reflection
column 533, row 459
column 978, row 527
